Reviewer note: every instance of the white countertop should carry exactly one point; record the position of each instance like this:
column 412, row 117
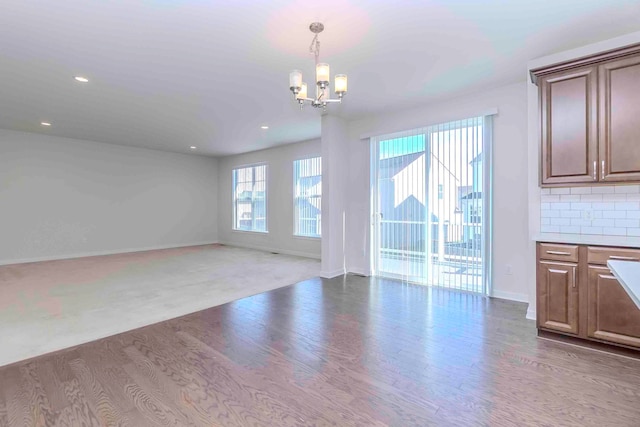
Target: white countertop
column 589, row 239
column 628, row 274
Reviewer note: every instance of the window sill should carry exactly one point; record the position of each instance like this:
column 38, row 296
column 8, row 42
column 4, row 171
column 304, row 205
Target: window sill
column 315, row 238
column 250, row 231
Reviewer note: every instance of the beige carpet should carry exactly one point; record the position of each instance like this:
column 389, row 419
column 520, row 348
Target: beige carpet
column 48, row 306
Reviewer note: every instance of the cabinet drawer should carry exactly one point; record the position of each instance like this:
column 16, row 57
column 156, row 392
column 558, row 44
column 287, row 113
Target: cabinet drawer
column 556, row 252
column 600, row 255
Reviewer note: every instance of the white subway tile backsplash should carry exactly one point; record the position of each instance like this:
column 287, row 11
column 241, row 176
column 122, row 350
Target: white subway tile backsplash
column 614, row 214
column 570, row 229
column 628, row 223
column 603, row 222
column 608, row 210
column 591, row 198
column 603, row 190
column 570, row 214
column 580, row 206
column 581, row 190
column 561, row 221
column 591, row 230
column 633, row 214
column 627, row 189
column 612, row 231
column 570, row 198
column 627, row 206
column 548, row 198
column 604, row 206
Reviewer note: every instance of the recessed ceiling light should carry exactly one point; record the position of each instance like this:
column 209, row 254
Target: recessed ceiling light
column 81, row 79
column 265, row 127
column 45, row 123
column 193, row 147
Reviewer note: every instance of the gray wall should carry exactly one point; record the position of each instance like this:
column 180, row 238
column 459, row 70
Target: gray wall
column 63, row 198
column 280, row 237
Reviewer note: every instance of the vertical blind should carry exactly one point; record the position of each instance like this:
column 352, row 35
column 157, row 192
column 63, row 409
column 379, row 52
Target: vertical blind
column 307, row 182
column 431, row 199
column 250, row 198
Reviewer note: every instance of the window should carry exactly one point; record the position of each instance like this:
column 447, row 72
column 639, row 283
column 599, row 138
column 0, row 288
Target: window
column 250, row 198
column 307, row 190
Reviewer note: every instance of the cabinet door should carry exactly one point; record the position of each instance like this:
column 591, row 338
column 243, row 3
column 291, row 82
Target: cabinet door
column 558, row 296
column 568, row 102
column 619, row 120
column 612, row 315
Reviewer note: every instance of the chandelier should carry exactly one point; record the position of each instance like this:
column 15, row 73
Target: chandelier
column 323, row 97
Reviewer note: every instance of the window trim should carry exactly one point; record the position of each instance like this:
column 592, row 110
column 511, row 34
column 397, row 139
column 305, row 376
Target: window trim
column 266, row 197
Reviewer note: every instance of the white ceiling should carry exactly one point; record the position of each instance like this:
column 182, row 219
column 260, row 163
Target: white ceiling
column 168, row 74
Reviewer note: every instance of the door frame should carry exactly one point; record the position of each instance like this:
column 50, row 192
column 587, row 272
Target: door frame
column 487, row 203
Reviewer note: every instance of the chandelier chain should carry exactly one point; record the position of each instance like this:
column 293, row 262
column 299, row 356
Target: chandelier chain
column 314, row 48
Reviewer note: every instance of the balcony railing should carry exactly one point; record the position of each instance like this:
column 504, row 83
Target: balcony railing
column 446, row 242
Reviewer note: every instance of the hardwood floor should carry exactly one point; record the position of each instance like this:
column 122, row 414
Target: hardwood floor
column 347, row 351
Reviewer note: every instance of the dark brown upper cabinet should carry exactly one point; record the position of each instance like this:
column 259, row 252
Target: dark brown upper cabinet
column 569, row 106
column 620, row 120
column 590, row 119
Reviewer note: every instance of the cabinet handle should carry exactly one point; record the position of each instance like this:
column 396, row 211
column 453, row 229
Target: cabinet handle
column 623, row 258
column 558, row 253
column 574, row 277
column 603, row 176
column 595, row 170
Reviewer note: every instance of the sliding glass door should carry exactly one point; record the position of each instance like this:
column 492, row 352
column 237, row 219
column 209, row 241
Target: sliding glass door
column 431, row 204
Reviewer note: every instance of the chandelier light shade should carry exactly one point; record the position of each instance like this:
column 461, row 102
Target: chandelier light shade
column 323, row 78
column 295, row 80
column 341, row 84
column 322, row 75
column 302, row 95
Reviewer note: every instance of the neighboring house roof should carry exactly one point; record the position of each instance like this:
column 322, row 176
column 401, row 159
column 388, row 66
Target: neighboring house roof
column 476, row 159
column 312, row 185
column 310, row 206
column 389, row 167
column 409, row 167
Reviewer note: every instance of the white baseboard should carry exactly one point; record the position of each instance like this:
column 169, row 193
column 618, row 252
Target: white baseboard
column 531, row 313
column 512, row 296
column 332, row 274
column 359, row 271
column 101, row 253
column 269, row 249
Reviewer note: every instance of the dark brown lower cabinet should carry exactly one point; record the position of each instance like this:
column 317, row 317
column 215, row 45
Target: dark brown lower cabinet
column 581, row 301
column 611, row 314
column 558, row 296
